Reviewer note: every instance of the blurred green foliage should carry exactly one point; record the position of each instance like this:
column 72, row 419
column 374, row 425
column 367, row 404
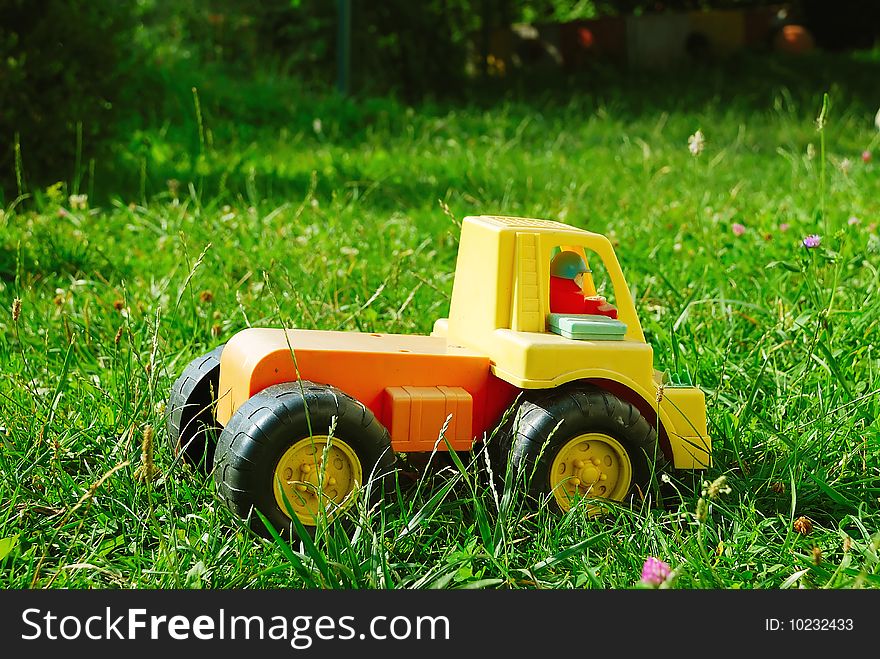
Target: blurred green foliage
column 77, row 76
column 62, row 68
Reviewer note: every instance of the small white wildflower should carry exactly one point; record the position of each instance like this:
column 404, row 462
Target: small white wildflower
column 78, row 201
column 317, row 126
column 349, row 251
column 696, row 143
column 656, row 309
column 845, row 166
column 877, row 120
column 811, row 151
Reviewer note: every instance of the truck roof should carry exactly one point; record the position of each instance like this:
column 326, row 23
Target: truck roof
column 524, row 223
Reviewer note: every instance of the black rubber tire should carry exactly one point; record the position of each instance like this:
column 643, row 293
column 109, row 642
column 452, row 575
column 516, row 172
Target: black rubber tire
column 271, row 421
column 192, row 428
column 577, row 409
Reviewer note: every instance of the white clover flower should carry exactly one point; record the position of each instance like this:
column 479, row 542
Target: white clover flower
column 696, row 143
column 877, row 120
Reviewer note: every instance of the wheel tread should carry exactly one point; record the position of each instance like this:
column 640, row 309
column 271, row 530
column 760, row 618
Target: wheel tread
column 576, row 409
column 190, row 422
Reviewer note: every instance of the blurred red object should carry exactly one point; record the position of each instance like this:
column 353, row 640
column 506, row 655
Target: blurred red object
column 794, row 39
column 585, row 36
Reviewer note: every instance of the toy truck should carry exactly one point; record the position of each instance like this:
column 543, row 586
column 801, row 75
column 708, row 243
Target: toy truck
column 306, row 420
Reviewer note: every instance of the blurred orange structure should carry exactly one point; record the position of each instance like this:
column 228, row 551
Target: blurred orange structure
column 794, row 39
column 651, row 39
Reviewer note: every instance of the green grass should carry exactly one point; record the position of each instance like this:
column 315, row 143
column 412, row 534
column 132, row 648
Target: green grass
column 342, row 228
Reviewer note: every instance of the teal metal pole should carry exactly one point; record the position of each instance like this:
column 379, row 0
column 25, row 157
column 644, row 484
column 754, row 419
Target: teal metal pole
column 343, row 47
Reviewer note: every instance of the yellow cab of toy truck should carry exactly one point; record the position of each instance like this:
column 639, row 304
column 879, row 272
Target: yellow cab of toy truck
column 503, row 266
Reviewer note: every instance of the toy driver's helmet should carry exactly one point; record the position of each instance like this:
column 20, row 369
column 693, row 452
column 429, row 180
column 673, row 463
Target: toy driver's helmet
column 567, row 265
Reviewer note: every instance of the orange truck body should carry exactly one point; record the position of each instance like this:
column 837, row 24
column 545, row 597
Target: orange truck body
column 414, row 385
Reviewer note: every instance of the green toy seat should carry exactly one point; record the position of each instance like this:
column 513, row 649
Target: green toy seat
column 586, row 327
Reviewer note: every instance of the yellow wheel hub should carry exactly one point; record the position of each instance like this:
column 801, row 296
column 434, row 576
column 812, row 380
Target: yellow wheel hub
column 590, row 465
column 314, row 478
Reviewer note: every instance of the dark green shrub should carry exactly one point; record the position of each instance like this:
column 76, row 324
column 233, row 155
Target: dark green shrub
column 62, row 65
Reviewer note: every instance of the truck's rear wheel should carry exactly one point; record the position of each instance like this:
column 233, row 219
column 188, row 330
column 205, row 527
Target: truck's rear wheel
column 300, row 449
column 191, row 425
column 582, row 442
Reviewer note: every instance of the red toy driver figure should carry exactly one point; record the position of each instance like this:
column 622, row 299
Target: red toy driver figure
column 567, row 271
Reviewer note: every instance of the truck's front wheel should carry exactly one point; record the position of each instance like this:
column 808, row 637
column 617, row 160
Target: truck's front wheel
column 303, row 450
column 580, row 442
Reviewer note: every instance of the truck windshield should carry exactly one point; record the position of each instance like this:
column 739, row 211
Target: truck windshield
column 576, row 273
